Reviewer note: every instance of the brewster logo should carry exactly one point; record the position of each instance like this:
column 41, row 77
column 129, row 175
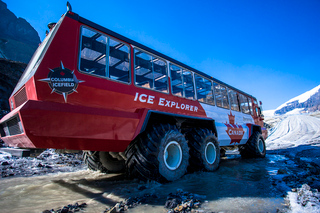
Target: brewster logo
column 234, row 131
column 62, row 81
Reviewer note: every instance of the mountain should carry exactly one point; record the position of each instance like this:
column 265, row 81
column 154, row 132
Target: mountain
column 306, row 102
column 10, row 72
column 18, row 39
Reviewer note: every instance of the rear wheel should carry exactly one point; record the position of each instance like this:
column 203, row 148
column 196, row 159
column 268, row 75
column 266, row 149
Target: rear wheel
column 160, row 154
column 110, row 163
column 204, row 150
column 254, row 148
column 103, row 161
column 91, row 159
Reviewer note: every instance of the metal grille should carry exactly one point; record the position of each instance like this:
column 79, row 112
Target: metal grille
column 13, row 126
column 20, row 97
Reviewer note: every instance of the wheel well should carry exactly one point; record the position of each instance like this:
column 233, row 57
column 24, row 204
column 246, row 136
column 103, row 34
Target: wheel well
column 256, row 128
column 182, row 122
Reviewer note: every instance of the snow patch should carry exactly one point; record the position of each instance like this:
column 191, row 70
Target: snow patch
column 47, row 162
column 268, row 113
column 301, row 98
column 304, row 200
column 293, row 131
column 296, row 111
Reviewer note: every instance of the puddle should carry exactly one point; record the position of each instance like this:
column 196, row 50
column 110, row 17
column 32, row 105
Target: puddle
column 238, row 185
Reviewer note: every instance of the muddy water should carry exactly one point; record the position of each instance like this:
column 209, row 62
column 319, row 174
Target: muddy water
column 239, row 185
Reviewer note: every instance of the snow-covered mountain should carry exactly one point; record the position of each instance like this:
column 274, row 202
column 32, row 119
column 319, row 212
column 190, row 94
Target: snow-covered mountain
column 306, row 102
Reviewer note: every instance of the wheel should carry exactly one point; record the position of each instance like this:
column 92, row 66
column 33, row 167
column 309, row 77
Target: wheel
column 103, row 161
column 160, row 154
column 204, row 150
column 110, row 163
column 91, row 159
column 254, row 148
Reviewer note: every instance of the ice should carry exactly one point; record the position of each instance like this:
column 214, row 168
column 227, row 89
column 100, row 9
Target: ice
column 293, row 131
column 301, row 98
column 304, row 200
column 47, row 162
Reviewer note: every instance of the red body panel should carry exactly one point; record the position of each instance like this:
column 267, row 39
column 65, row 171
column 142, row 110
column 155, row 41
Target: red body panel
column 101, row 115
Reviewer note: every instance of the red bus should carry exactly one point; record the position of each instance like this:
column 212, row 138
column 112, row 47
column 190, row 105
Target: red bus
column 127, row 106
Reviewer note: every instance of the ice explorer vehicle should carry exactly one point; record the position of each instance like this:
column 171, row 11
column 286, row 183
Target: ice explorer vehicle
column 127, row 106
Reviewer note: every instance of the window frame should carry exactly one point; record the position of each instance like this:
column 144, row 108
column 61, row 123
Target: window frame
column 196, row 91
column 134, row 70
column 193, row 82
column 107, row 55
column 246, row 98
column 237, row 97
column 227, row 95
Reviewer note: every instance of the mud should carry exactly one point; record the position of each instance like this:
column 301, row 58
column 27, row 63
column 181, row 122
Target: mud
column 239, row 185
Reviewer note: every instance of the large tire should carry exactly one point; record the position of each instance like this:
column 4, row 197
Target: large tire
column 91, row 159
column 204, row 150
column 110, row 163
column 254, row 148
column 103, row 161
column 160, row 154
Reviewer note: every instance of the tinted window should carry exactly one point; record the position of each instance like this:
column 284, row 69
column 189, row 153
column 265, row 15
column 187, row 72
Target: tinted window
column 176, row 80
column 204, row 90
column 188, row 84
column 103, row 56
column 182, row 82
column 244, row 104
column 221, row 96
column 234, row 103
column 150, row 71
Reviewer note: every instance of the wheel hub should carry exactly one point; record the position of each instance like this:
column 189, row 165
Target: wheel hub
column 210, row 153
column 260, row 145
column 172, row 155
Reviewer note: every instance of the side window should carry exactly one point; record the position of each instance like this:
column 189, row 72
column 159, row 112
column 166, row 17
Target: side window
column 181, row 82
column 176, row 80
column 204, row 90
column 103, row 56
column 250, row 106
column 244, row 105
column 150, row 71
column 93, row 52
column 234, row 102
column 119, row 61
column 188, row 84
column 221, row 96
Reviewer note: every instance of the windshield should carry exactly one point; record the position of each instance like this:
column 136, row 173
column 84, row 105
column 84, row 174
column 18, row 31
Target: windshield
column 36, row 58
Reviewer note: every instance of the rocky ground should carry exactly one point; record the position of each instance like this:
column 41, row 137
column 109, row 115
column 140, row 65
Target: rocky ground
column 48, row 161
column 297, row 176
column 293, row 172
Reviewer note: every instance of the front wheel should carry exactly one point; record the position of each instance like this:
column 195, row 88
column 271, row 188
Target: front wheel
column 254, row 148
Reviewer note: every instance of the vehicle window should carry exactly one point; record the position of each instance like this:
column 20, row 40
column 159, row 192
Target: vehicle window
column 250, row 106
column 188, row 84
column 221, row 96
column 150, row 71
column 182, row 82
column 234, row 103
column 244, row 105
column 204, row 90
column 176, row 80
column 118, row 61
column 103, row 56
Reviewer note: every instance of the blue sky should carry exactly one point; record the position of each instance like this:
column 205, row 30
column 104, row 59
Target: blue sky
column 269, row 49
